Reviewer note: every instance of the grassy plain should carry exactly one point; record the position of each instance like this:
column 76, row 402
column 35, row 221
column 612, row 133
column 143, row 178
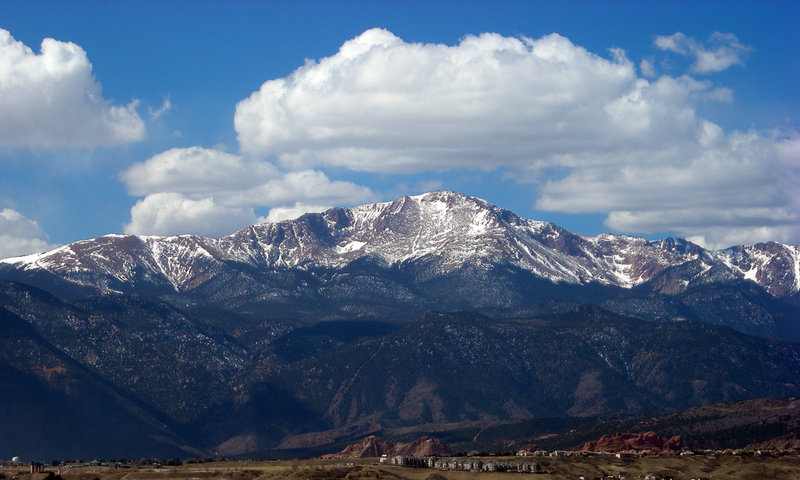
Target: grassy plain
column 726, row 467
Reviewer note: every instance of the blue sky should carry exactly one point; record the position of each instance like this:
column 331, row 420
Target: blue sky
column 646, row 118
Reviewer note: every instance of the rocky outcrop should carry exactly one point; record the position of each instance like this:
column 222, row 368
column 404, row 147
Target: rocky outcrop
column 620, row 442
column 673, row 444
column 373, row 446
column 423, row 447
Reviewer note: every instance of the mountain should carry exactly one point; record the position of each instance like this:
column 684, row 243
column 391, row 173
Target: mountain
column 434, row 313
column 437, row 251
column 446, row 229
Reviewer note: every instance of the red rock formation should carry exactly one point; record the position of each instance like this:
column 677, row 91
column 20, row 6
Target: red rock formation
column 674, row 444
column 373, row 446
column 620, row 442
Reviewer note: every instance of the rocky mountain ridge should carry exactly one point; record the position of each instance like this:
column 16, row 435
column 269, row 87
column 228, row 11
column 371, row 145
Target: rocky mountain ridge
column 441, row 230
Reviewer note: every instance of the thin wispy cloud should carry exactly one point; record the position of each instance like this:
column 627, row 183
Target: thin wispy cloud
column 722, row 51
column 157, row 113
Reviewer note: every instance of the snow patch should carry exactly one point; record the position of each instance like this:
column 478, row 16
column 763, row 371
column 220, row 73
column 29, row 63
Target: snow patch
column 751, row 274
column 24, row 259
column 350, row 247
column 621, row 271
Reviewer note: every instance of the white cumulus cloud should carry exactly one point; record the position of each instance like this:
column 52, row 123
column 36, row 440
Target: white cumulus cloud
column 211, row 192
column 586, row 130
column 383, row 105
column 20, row 235
column 174, row 214
column 195, row 170
column 51, row 99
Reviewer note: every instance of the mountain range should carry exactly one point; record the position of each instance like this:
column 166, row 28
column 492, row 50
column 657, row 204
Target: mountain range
column 429, row 310
column 439, row 232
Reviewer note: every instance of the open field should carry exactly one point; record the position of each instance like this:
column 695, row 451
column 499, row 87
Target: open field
column 727, row 467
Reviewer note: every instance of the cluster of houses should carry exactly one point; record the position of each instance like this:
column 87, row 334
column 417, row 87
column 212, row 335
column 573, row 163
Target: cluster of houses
column 462, row 464
column 584, row 453
column 646, row 453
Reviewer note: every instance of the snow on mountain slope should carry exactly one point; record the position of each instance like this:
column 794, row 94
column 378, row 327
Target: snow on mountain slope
column 772, row 265
column 447, row 227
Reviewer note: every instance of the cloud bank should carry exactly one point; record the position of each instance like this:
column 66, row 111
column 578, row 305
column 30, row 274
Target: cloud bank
column 210, row 192
column 20, row 235
column 586, row 131
column 51, row 100
column 383, row 105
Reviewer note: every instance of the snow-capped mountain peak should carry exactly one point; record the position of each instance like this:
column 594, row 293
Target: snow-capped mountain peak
column 444, row 230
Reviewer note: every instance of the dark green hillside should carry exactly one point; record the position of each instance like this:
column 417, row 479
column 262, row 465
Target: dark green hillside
column 52, row 407
column 306, row 341
column 464, row 367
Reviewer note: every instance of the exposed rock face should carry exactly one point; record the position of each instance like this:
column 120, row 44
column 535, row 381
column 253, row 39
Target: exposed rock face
column 620, row 442
column 373, row 446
